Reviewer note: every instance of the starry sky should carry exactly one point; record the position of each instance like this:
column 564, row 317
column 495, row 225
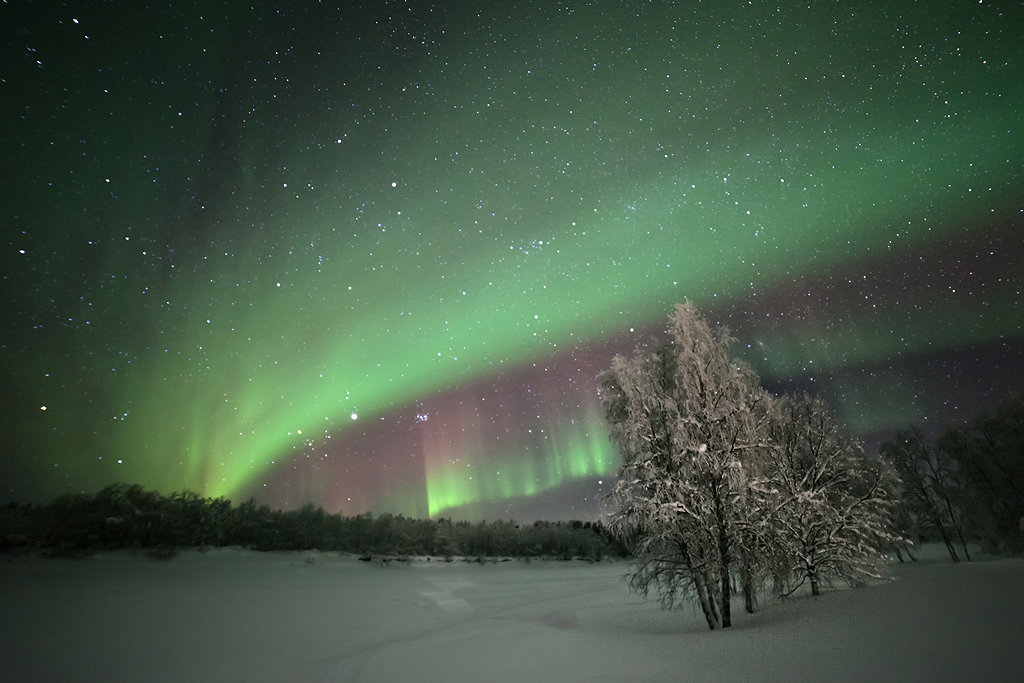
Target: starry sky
column 373, row 256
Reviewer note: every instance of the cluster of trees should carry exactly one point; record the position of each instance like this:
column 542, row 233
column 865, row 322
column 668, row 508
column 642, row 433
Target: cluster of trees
column 723, row 484
column 966, row 485
column 130, row 516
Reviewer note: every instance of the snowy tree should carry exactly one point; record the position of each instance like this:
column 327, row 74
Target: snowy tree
column 688, row 420
column 929, row 488
column 829, row 507
column 989, row 456
column 968, row 483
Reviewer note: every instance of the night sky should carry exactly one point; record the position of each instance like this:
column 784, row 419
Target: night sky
column 374, row 257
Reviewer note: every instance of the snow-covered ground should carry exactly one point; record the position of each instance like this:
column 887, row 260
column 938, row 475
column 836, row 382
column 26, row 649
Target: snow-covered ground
column 232, row 615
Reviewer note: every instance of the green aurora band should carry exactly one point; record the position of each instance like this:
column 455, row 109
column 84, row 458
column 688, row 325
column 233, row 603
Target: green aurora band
column 288, row 366
column 379, row 264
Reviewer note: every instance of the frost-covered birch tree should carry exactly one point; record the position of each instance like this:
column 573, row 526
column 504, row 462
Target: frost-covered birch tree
column 827, row 506
column 689, row 420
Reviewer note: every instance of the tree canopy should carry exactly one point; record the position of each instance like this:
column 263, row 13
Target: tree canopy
column 720, row 479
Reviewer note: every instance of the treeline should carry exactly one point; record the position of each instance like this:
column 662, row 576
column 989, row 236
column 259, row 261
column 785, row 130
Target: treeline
column 130, row 516
column 967, row 484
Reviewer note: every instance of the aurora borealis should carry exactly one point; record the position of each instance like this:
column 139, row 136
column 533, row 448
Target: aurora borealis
column 373, row 257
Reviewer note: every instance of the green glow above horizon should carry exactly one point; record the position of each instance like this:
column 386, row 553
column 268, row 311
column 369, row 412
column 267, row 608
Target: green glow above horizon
column 565, row 454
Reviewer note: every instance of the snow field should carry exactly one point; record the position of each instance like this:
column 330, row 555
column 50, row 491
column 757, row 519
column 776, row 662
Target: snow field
column 232, row 615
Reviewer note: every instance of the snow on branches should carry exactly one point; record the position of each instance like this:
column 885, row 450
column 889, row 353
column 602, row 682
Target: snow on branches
column 719, row 479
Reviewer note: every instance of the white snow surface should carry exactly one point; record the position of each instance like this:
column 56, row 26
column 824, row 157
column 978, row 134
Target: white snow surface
column 235, row 615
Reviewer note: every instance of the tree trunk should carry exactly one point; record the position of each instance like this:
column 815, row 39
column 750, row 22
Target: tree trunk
column 747, row 582
column 749, row 594
column 903, row 548
column 726, row 596
column 931, row 510
column 706, row 605
column 812, row 574
column 949, row 543
column 942, row 532
column 714, row 596
column 725, row 560
column 957, row 526
column 963, row 543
